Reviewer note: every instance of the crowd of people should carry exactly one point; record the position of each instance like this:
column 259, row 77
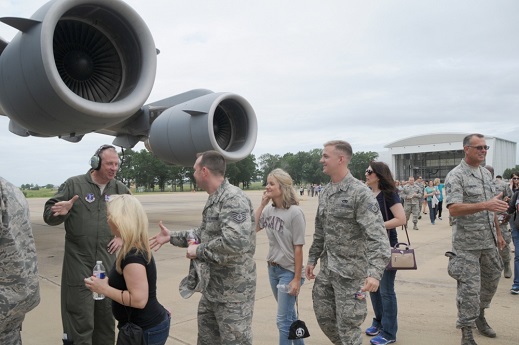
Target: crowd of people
column 355, row 226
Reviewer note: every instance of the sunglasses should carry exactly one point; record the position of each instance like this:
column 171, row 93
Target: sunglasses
column 369, row 171
column 480, row 148
column 515, row 178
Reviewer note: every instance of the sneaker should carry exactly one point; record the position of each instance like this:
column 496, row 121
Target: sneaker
column 440, row 218
column 515, row 290
column 380, row 340
column 372, row 331
column 419, row 217
column 432, row 223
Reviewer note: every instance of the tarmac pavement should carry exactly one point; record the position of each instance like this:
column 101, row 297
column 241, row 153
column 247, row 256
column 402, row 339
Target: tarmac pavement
column 426, row 297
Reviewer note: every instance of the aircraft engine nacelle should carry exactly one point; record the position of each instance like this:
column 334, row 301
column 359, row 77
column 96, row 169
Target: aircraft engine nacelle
column 76, row 67
column 223, row 122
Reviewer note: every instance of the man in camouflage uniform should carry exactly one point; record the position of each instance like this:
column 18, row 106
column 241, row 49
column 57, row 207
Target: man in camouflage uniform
column 80, row 203
column 19, row 285
column 413, row 196
column 503, row 218
column 351, row 240
column 475, row 261
column 227, row 244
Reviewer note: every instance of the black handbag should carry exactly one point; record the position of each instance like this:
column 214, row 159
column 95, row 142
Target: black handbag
column 298, row 329
column 130, row 333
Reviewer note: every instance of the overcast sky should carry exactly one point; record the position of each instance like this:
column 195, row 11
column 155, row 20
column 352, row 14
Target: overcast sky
column 369, row 72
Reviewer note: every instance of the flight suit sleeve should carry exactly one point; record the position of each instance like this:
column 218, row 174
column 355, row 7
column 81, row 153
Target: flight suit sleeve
column 63, row 194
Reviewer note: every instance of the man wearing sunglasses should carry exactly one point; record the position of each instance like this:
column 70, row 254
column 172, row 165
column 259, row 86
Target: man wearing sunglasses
column 474, row 261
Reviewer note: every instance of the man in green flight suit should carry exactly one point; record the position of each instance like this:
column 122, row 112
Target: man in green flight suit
column 81, row 204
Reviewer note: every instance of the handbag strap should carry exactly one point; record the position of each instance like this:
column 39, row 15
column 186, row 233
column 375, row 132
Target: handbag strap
column 406, row 233
column 403, row 226
column 129, row 313
column 297, row 309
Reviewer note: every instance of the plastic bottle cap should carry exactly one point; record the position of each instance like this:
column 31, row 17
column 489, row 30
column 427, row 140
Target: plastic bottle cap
column 99, row 262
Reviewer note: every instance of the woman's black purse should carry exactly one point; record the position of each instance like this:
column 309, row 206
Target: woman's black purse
column 130, row 333
column 298, row 328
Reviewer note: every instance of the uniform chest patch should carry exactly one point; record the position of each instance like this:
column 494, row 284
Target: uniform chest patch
column 239, row 217
column 90, row 197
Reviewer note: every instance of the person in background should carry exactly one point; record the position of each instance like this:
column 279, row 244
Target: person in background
column 227, row 244
column 351, row 240
column 474, row 261
column 420, row 182
column 132, row 281
column 503, row 218
column 19, row 284
column 80, row 203
column 385, row 323
column 430, row 192
column 412, row 194
column 439, row 186
column 285, row 225
column 514, row 212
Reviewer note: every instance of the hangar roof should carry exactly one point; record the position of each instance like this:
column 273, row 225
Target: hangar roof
column 427, row 139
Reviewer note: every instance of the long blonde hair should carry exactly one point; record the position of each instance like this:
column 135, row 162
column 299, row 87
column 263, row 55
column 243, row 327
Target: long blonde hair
column 288, row 193
column 130, row 219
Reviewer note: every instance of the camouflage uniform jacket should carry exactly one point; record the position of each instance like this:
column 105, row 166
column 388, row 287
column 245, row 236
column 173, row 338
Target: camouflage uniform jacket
column 474, row 231
column 350, row 237
column 87, row 231
column 19, row 285
column 409, row 191
column 227, row 245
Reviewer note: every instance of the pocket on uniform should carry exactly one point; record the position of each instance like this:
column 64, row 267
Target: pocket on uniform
column 455, row 267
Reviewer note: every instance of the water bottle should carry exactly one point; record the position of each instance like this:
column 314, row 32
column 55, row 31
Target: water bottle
column 283, row 288
column 99, row 272
column 192, row 238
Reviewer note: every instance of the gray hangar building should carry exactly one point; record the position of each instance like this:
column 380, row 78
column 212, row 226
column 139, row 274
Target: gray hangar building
column 434, row 155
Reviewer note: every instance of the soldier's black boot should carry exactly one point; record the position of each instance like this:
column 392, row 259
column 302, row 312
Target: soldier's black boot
column 483, row 327
column 466, row 336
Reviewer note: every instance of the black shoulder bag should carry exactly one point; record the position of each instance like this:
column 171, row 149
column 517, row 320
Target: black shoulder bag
column 130, row 333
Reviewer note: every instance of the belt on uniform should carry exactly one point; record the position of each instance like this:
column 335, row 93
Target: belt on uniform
column 273, row 263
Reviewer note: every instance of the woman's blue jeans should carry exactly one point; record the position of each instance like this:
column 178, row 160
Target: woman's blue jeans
column 286, row 303
column 158, row 335
column 432, row 212
column 515, row 239
column 385, row 306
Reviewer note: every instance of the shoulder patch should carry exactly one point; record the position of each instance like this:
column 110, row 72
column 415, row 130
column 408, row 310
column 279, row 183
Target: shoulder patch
column 239, row 217
column 374, row 207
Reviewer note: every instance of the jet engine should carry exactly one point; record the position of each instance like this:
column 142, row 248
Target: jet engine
column 76, row 66
column 82, row 66
column 224, row 122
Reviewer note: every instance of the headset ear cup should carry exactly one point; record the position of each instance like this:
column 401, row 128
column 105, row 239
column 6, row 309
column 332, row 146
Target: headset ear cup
column 94, row 162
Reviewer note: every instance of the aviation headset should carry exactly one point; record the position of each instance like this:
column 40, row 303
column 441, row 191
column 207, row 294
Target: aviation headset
column 95, row 161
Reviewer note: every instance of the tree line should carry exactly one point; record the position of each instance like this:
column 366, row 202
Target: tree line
column 142, row 170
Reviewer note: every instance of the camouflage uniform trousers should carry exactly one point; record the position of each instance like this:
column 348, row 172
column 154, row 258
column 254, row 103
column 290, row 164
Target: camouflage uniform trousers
column 10, row 332
column 477, row 273
column 228, row 323
column 412, row 208
column 507, row 236
column 338, row 312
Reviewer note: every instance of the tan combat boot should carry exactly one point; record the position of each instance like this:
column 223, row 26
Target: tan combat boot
column 507, row 270
column 483, row 327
